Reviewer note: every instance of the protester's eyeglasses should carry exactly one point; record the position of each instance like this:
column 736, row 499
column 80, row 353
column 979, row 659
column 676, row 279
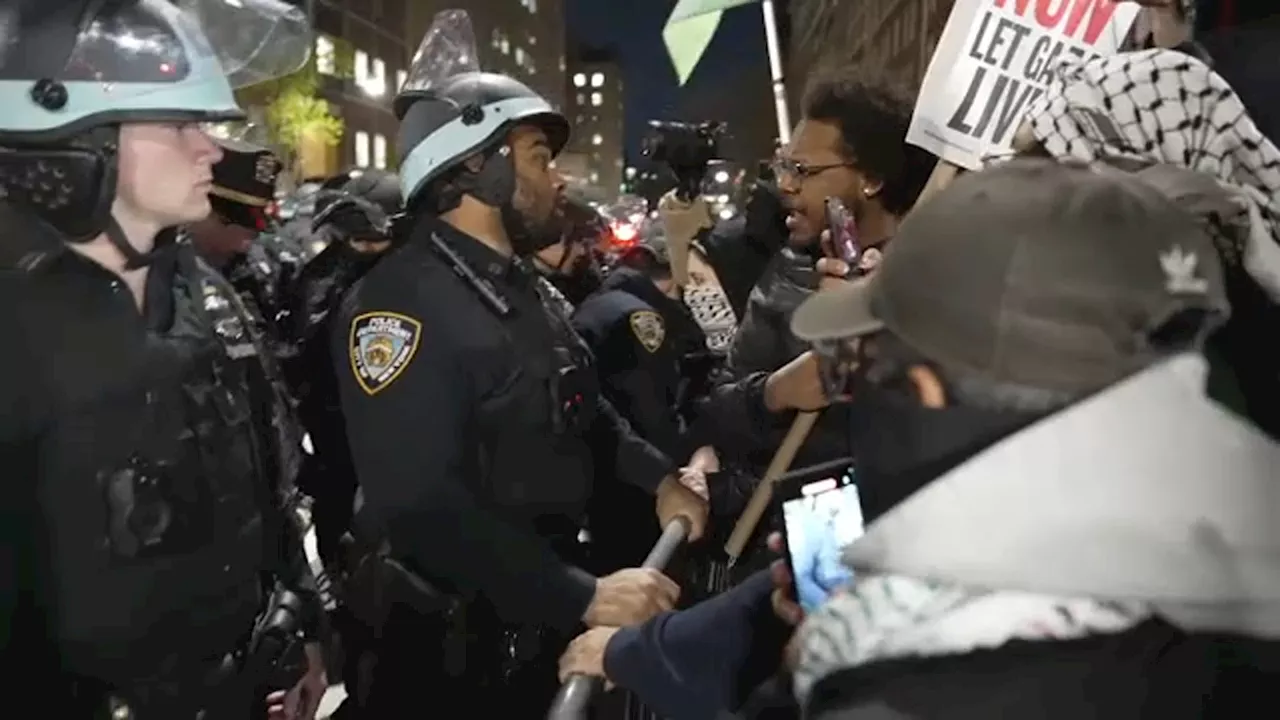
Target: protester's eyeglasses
column 786, row 167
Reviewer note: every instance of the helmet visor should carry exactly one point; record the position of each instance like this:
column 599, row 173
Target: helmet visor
column 447, row 50
column 155, row 42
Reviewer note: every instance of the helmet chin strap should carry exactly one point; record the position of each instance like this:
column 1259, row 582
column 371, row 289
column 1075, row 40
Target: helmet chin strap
column 134, row 260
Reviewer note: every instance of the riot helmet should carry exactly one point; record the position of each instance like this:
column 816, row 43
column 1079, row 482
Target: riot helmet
column 358, row 204
column 72, row 73
column 449, row 111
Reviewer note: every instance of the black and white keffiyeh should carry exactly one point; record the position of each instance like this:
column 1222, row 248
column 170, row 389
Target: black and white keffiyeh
column 888, row 617
column 1163, row 106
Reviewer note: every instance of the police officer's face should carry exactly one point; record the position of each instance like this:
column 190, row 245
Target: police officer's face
column 165, row 171
column 538, row 185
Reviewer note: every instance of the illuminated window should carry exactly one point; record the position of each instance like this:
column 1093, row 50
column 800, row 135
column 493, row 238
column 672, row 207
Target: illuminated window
column 362, row 149
column 380, row 152
column 597, row 80
column 506, row 46
column 325, row 62
column 597, row 139
column 595, row 176
column 520, row 57
column 362, row 68
column 579, row 80
column 376, row 84
column 596, row 99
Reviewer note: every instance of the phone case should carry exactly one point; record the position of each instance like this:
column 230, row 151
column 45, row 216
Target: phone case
column 843, row 232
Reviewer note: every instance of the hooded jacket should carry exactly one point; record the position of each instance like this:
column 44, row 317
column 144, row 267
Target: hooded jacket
column 1127, row 545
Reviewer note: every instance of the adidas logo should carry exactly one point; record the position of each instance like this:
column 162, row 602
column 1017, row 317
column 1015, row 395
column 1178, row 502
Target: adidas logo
column 1179, row 268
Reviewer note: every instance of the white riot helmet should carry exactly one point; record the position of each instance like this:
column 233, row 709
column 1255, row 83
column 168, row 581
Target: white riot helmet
column 449, row 110
column 72, row 72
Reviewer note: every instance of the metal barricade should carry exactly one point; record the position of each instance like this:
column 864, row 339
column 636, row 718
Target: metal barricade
column 575, row 696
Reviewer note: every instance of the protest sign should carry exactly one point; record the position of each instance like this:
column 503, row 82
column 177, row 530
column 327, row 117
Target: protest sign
column 994, row 59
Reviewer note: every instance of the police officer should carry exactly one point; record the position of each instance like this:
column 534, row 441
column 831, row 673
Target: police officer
column 241, row 239
column 640, row 335
column 150, row 567
column 353, row 222
column 472, row 414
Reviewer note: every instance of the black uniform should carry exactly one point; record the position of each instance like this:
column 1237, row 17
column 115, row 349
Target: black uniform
column 474, row 421
column 150, row 453
column 639, row 338
column 327, row 475
column 244, row 183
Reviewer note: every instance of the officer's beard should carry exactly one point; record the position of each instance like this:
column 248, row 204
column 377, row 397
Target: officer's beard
column 528, row 229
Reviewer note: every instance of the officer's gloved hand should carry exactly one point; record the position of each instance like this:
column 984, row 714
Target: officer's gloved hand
column 682, row 220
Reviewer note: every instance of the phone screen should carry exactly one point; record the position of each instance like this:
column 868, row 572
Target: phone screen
column 819, row 520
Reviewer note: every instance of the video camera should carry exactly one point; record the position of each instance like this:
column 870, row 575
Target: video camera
column 686, row 148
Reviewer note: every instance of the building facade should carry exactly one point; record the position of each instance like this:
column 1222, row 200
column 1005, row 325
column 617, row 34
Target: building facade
column 892, row 39
column 361, row 57
column 594, row 106
column 364, row 48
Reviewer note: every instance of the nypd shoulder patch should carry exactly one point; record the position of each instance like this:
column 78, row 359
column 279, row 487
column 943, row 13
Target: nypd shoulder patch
column 648, row 328
column 381, row 346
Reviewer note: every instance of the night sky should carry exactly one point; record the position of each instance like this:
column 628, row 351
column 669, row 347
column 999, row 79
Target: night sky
column 633, row 30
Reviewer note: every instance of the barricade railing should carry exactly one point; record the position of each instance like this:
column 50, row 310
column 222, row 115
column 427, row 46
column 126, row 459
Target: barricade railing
column 575, row 696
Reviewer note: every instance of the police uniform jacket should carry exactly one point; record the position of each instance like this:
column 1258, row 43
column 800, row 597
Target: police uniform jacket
column 639, row 343
column 327, row 474
column 473, row 433
column 141, row 453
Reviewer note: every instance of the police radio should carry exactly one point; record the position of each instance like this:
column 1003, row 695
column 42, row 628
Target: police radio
column 569, row 390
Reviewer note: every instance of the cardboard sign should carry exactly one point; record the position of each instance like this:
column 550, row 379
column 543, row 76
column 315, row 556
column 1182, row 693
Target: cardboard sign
column 993, row 61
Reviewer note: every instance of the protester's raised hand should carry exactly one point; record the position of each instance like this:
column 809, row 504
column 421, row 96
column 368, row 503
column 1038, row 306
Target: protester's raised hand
column 797, row 386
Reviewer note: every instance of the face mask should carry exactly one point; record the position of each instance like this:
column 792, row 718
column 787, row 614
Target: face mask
column 900, row 446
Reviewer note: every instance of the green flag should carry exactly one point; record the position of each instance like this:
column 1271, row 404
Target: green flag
column 689, row 30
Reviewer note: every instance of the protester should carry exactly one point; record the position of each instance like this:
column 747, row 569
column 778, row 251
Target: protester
column 1099, row 556
column 850, row 144
column 1130, row 110
column 971, row 368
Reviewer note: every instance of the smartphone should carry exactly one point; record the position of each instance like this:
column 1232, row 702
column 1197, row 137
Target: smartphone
column 821, row 514
column 844, row 232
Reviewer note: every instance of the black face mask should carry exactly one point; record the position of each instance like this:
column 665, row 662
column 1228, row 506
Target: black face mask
column 900, row 446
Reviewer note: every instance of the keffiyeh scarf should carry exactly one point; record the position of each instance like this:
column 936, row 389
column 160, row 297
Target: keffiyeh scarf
column 883, row 617
column 1162, row 106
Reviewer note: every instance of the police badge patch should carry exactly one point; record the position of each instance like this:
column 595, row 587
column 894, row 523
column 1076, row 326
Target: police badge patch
column 648, row 328
column 381, row 346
